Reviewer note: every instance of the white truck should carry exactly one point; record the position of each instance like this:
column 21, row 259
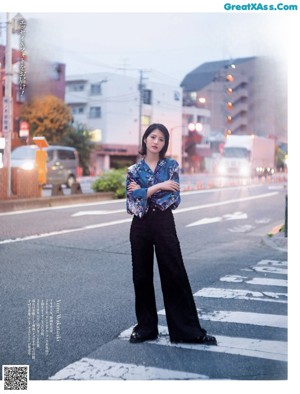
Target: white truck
column 247, row 155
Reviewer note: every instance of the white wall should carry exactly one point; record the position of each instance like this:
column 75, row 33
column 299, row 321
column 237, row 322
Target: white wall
column 119, row 104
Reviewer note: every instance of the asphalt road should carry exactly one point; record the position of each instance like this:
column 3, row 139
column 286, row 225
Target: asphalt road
column 67, row 295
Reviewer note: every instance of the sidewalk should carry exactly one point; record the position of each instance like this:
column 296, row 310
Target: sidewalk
column 15, row 204
column 276, row 239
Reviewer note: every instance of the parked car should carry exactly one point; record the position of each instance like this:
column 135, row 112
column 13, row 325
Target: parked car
column 62, row 162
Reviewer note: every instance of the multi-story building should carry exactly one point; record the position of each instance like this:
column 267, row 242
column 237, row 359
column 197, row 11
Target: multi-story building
column 244, row 96
column 17, row 98
column 116, row 110
column 40, row 81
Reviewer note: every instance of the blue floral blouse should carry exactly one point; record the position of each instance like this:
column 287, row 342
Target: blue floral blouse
column 136, row 201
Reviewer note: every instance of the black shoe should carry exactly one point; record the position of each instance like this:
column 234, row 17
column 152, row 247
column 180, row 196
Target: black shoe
column 136, row 337
column 205, row 340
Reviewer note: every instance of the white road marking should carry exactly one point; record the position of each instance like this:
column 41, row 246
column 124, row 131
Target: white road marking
column 235, row 216
column 262, row 221
column 107, row 202
column 182, row 210
column 256, row 319
column 268, row 282
column 53, row 233
column 103, row 212
column 84, row 228
column 93, row 369
column 86, row 204
column 218, row 204
column 250, row 347
column 205, row 221
column 254, row 281
column 241, row 229
column 230, row 216
column 271, row 270
column 275, row 263
column 233, row 278
column 239, row 294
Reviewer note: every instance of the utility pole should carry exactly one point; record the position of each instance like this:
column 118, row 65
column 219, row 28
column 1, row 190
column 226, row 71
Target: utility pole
column 141, row 90
column 7, row 104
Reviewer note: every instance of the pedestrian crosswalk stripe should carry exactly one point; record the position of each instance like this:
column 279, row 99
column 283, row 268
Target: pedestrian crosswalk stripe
column 256, row 319
column 271, row 270
column 93, row 369
column 250, row 347
column 275, row 263
column 254, row 281
column 240, row 294
column 268, row 282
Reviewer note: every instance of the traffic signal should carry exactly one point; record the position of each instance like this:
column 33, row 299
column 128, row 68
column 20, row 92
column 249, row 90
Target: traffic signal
column 41, row 163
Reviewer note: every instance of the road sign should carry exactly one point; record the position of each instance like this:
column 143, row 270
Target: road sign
column 24, row 130
column 6, row 115
column 41, row 142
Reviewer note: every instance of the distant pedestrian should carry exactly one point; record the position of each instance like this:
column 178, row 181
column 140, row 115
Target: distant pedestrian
column 153, row 190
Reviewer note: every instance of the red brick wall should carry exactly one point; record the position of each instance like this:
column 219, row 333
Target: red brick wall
column 3, row 184
column 24, row 184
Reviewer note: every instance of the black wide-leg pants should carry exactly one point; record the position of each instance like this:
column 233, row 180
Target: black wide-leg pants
column 156, row 232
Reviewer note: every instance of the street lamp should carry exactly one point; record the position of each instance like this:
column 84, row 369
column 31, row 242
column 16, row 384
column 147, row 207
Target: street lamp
column 195, row 127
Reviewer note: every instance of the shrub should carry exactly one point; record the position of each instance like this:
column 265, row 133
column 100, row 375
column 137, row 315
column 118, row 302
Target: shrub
column 112, row 181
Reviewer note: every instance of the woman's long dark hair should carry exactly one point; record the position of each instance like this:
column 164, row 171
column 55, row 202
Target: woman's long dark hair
column 164, row 130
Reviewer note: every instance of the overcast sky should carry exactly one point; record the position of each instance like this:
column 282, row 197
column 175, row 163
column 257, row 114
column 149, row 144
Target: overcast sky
column 168, row 44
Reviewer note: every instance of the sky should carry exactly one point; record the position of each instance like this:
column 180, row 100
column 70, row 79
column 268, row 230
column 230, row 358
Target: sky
column 167, row 45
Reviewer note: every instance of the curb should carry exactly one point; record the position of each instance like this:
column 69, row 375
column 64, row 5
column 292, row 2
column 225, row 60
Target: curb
column 269, row 242
column 275, row 239
column 46, row 202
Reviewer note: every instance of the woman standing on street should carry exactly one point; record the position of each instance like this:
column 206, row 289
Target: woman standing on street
column 153, row 190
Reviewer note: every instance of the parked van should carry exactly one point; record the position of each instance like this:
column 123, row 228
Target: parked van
column 62, row 162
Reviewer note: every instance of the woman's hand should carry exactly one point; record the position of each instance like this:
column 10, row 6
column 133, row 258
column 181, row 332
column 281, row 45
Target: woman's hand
column 169, row 185
column 133, row 186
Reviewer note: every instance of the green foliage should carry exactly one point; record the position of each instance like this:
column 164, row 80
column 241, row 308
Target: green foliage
column 112, row 181
column 280, row 158
column 79, row 139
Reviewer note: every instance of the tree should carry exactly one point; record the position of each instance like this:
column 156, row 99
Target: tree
column 47, row 116
column 79, row 139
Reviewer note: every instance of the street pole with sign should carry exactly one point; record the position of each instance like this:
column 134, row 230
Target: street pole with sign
column 7, row 104
column 15, row 25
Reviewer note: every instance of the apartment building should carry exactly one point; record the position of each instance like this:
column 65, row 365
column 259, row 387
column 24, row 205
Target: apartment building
column 244, row 95
column 110, row 107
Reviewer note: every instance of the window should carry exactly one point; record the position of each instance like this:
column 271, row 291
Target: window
column 201, row 119
column 146, row 120
column 64, row 154
column 77, row 110
column 55, row 71
column 193, row 96
column 50, row 155
column 76, row 87
column 189, row 118
column 177, row 95
column 95, row 112
column 147, row 99
column 96, row 89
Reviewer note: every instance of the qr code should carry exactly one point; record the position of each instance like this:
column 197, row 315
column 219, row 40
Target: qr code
column 15, row 377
